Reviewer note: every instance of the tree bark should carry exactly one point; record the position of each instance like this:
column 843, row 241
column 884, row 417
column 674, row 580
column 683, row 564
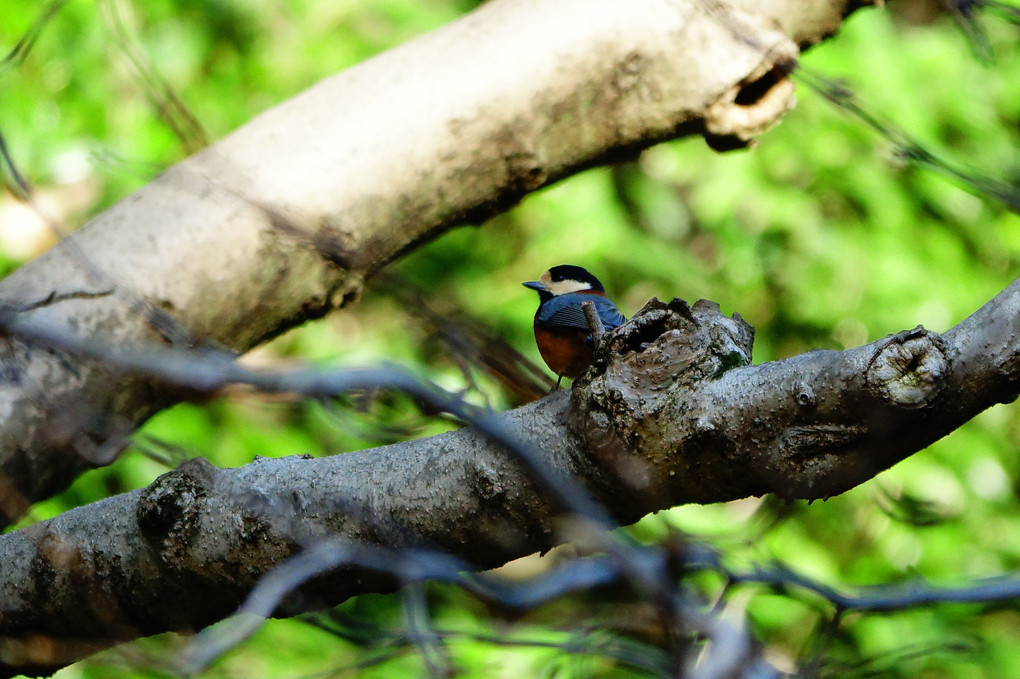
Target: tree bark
column 283, row 220
column 671, row 412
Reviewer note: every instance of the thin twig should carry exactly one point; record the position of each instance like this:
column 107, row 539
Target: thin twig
column 595, row 326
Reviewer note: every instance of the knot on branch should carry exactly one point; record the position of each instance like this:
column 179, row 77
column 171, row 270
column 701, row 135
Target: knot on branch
column 623, row 409
column 169, row 510
column 910, row 369
column 668, row 344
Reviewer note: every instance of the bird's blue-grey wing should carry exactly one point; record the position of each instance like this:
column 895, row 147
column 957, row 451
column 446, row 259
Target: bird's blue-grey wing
column 610, row 315
column 565, row 312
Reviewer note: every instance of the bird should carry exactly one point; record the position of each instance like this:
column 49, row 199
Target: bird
column 561, row 329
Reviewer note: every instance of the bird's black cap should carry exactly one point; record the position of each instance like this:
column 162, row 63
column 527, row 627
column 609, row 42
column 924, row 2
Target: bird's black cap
column 569, row 272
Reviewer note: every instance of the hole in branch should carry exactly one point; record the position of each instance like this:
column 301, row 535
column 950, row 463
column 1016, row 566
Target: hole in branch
column 753, row 92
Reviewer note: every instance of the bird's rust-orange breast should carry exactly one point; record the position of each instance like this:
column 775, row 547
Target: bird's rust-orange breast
column 566, row 353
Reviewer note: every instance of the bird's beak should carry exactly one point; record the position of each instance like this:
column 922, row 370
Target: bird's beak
column 534, row 285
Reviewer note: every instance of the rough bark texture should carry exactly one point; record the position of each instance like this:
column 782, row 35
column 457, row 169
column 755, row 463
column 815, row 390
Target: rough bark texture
column 675, row 420
column 185, row 551
column 283, row 220
column 671, row 412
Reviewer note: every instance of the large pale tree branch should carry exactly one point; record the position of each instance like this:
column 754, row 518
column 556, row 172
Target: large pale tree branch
column 285, row 218
column 670, row 413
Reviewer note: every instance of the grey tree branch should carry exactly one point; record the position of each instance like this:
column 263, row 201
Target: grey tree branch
column 284, row 219
column 671, row 412
column 810, row 427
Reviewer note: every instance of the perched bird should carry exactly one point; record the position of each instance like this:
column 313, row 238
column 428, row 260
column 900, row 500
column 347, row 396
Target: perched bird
column 561, row 330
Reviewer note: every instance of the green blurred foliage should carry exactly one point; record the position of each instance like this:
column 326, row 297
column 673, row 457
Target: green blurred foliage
column 819, row 236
